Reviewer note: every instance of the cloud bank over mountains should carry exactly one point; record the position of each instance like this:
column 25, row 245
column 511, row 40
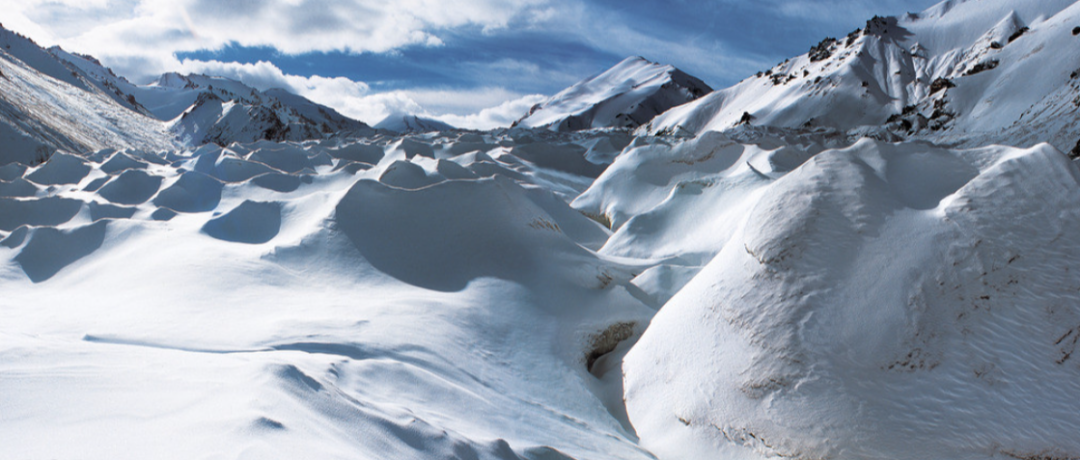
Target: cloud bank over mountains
column 494, row 50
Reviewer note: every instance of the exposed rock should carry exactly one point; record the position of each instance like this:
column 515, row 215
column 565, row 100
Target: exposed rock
column 1018, row 33
column 851, row 37
column 940, row 84
column 982, row 67
column 822, row 50
column 746, row 119
column 879, row 25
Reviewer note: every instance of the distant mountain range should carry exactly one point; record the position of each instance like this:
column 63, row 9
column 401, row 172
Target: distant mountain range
column 960, row 73
column 52, row 99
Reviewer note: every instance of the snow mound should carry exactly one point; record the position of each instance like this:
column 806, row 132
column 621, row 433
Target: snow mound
column 251, row 222
column 61, row 168
column 48, row 250
column 191, row 192
column 488, row 228
column 880, row 301
column 287, row 297
column 131, row 187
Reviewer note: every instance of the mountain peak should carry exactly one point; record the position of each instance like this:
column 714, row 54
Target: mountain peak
column 627, row 95
column 408, row 123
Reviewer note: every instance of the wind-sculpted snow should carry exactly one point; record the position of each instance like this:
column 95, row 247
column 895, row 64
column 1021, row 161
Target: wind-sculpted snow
column 880, row 301
column 436, row 296
column 439, row 300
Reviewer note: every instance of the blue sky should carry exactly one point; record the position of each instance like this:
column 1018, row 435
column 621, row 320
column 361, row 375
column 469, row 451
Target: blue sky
column 477, row 63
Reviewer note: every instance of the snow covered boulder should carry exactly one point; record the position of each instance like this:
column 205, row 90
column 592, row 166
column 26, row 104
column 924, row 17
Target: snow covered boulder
column 881, row 301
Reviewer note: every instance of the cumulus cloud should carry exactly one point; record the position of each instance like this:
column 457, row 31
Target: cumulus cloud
column 479, row 108
column 501, row 115
column 150, row 32
column 142, row 38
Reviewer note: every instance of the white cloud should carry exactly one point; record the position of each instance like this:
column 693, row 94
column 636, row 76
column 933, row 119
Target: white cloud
column 501, row 115
column 481, row 108
column 140, row 37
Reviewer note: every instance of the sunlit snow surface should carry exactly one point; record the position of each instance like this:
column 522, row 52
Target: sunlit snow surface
column 319, row 301
column 796, row 290
column 1013, row 65
column 435, row 297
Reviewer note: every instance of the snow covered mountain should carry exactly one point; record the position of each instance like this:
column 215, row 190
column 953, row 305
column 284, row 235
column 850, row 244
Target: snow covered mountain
column 202, row 109
column 405, row 123
column 52, row 99
column 724, row 282
column 963, row 72
column 45, row 106
column 625, row 96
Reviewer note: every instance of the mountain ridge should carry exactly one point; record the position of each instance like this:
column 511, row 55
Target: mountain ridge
column 627, row 95
column 946, row 75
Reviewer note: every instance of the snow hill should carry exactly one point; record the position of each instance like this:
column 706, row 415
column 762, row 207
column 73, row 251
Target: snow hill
column 962, row 72
column 846, row 290
column 625, row 96
column 404, row 123
column 849, row 303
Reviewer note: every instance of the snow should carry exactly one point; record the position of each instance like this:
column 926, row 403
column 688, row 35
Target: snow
column 197, row 269
column 405, row 123
column 44, row 109
column 321, row 320
column 628, row 95
column 1028, row 98
column 865, row 302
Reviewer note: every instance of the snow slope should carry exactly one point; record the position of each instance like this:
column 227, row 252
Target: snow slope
column 45, row 106
column 625, row 96
column 963, row 72
column 53, row 99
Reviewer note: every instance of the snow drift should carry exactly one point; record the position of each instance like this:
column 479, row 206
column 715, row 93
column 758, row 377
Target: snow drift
column 862, row 308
